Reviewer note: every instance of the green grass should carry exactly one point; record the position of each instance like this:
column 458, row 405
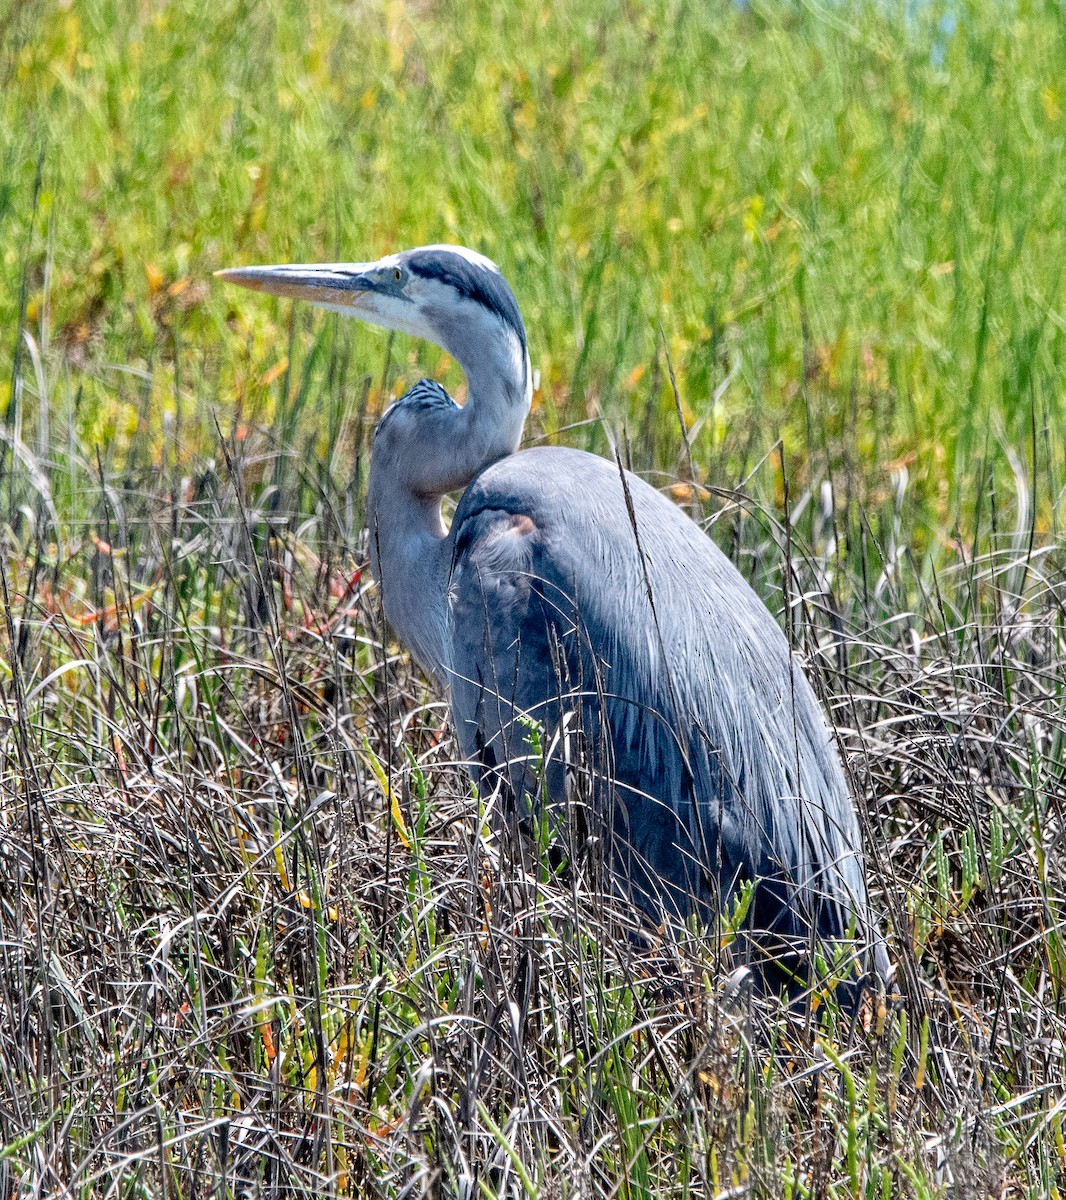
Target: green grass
column 256, row 936
column 873, row 240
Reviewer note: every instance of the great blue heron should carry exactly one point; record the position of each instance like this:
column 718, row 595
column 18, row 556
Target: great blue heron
column 570, row 593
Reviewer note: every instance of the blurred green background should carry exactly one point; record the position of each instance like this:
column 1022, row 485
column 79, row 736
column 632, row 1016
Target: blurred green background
column 843, row 225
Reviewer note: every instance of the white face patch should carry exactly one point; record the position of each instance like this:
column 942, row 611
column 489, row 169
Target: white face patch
column 387, row 312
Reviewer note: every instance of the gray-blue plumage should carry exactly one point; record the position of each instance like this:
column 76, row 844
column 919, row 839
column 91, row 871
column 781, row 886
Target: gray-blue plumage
column 572, row 596
column 720, row 761
column 426, row 397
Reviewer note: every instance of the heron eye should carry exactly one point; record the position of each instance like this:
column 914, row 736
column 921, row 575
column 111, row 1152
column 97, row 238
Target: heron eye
column 397, row 274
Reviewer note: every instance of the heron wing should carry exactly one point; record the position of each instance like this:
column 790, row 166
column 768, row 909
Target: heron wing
column 579, row 595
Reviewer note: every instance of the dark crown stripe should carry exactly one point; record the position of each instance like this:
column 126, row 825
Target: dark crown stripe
column 480, row 284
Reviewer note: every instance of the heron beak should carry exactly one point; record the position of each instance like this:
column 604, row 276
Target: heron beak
column 339, row 285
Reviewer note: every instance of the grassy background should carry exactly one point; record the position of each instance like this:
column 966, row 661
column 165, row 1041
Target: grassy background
column 254, row 935
column 856, row 208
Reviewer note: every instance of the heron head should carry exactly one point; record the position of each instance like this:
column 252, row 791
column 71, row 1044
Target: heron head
column 445, row 294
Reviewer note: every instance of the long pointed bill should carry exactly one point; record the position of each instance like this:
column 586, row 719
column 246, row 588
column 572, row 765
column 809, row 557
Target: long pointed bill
column 338, row 285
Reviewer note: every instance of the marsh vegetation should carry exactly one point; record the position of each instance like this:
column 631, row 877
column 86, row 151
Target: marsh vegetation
column 802, row 266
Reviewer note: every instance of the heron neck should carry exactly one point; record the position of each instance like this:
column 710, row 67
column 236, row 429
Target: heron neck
column 410, row 552
column 410, row 555
column 499, row 387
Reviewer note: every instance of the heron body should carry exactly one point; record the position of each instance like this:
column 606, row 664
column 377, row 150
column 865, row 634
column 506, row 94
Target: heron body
column 584, row 626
